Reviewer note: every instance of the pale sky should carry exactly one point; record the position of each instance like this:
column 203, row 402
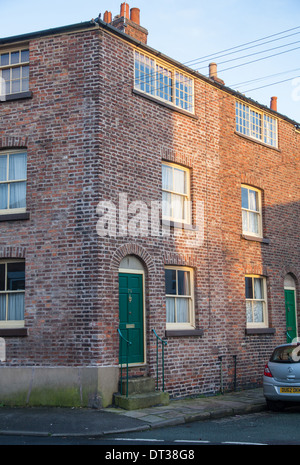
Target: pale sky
column 197, row 32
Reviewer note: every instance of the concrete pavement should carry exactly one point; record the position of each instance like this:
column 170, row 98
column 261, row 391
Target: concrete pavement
column 53, row 421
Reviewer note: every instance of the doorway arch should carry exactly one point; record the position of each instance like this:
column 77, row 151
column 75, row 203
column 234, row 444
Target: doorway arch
column 132, row 310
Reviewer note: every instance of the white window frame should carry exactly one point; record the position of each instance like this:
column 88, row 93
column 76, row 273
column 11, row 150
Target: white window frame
column 9, row 182
column 20, row 69
column 191, row 306
column 248, row 211
column 186, row 196
column 256, row 124
column 163, row 82
column 251, row 301
column 11, row 323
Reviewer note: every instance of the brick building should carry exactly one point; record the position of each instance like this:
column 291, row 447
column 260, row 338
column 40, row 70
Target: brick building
column 137, row 194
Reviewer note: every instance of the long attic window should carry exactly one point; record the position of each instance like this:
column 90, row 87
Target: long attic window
column 163, row 82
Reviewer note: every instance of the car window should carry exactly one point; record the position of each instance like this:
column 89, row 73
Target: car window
column 286, row 354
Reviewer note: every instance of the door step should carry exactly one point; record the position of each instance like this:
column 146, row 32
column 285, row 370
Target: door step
column 141, row 394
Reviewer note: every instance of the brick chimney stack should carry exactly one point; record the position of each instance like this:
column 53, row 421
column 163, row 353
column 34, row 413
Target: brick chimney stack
column 273, row 104
column 128, row 21
column 213, row 73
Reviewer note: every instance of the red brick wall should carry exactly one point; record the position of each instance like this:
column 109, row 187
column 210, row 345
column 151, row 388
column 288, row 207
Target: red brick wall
column 90, row 138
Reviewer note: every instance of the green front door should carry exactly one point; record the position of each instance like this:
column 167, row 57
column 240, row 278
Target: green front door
column 290, row 309
column 131, row 316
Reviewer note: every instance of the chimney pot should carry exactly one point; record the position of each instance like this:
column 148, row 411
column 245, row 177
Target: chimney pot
column 107, row 18
column 273, row 105
column 135, row 15
column 124, row 10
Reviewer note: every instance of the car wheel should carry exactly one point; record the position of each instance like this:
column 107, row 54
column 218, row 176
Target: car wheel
column 274, row 405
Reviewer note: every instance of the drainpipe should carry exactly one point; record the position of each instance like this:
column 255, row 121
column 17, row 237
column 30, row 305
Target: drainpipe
column 221, row 374
column 234, row 384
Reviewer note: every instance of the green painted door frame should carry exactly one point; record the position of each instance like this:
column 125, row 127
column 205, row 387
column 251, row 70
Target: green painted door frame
column 131, row 316
column 290, row 310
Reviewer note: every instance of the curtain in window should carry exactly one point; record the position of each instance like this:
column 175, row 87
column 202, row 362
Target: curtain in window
column 3, row 196
column 3, row 168
column 258, row 312
column 253, row 222
column 253, row 200
column 182, row 307
column 183, row 282
column 167, row 177
column 170, row 305
column 15, row 307
column 181, row 310
column 179, row 181
column 167, row 184
column 249, row 312
column 258, row 290
column 17, row 166
column 178, row 207
column 17, row 195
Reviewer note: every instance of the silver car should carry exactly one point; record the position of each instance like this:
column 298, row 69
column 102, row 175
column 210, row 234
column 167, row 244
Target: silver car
column 281, row 380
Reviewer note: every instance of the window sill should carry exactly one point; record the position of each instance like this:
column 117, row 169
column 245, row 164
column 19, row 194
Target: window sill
column 251, row 331
column 257, row 141
column 15, row 216
column 13, row 332
column 183, row 332
column 256, row 239
column 19, row 96
column 164, row 104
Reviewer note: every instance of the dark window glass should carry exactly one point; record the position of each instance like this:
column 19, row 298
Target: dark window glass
column 170, row 278
column 16, row 276
column 2, row 277
column 248, row 288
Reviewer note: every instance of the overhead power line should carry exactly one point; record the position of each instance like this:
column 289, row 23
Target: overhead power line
column 255, row 53
column 259, row 59
column 189, row 63
column 248, row 48
column 263, row 77
column 272, row 84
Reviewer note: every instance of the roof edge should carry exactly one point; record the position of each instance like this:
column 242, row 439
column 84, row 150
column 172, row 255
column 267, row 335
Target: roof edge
column 94, row 23
column 46, row 32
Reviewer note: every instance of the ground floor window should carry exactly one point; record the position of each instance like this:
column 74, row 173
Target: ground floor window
column 12, row 293
column 256, row 301
column 179, row 297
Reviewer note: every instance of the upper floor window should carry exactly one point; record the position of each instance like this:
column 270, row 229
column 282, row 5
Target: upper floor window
column 14, row 71
column 256, row 124
column 256, row 301
column 163, row 82
column 251, row 211
column 13, row 175
column 179, row 297
column 12, row 293
column 175, row 193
